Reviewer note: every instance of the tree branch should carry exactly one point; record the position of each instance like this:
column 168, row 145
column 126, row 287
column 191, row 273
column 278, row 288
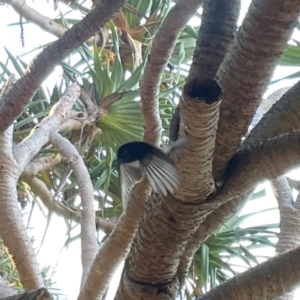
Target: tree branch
column 218, row 25
column 39, row 136
column 32, row 15
column 266, row 160
column 199, row 106
column 116, row 247
column 41, row 164
column 45, row 23
column 204, row 231
column 40, row 189
column 89, row 244
column 161, row 51
column 12, row 229
column 274, row 157
column 246, row 71
column 274, row 277
column 289, row 235
column 17, row 98
column 282, row 117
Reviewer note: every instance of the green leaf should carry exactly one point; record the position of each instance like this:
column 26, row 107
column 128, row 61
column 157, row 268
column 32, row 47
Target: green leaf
column 190, row 31
column 117, row 71
column 135, row 77
column 102, row 78
column 124, row 122
column 15, row 63
column 291, row 56
column 29, row 119
column 204, row 250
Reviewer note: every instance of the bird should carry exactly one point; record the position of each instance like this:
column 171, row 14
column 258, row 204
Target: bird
column 138, row 159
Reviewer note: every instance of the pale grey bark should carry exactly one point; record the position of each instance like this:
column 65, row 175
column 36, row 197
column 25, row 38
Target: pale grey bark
column 5, row 290
column 59, row 113
column 89, row 245
column 12, row 228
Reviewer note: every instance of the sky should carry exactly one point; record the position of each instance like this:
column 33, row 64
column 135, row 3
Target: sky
column 67, row 259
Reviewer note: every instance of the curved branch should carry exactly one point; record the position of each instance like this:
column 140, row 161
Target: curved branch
column 59, row 113
column 89, row 245
column 32, row 15
column 205, row 230
column 161, row 51
column 40, row 189
column 41, row 164
column 265, row 281
column 246, row 71
column 12, row 228
column 116, row 247
column 218, row 25
column 13, row 104
column 282, row 117
column 45, row 23
column 268, row 160
column 289, row 236
column 249, row 167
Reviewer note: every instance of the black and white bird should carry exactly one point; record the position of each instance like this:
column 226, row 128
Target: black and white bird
column 139, row 159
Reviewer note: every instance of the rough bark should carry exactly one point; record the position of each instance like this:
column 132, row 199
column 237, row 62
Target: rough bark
column 265, row 106
column 247, row 69
column 218, row 26
column 269, row 279
column 12, row 228
column 168, row 222
column 274, row 158
column 161, row 51
column 267, row 160
column 40, row 294
column 199, row 107
column 204, row 231
column 289, row 235
column 116, row 246
column 282, row 117
column 152, row 263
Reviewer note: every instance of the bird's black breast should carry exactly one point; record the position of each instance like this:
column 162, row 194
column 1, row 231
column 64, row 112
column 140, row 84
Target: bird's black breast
column 134, row 151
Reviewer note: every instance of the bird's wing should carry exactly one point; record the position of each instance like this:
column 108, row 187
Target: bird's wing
column 161, row 174
column 130, row 174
